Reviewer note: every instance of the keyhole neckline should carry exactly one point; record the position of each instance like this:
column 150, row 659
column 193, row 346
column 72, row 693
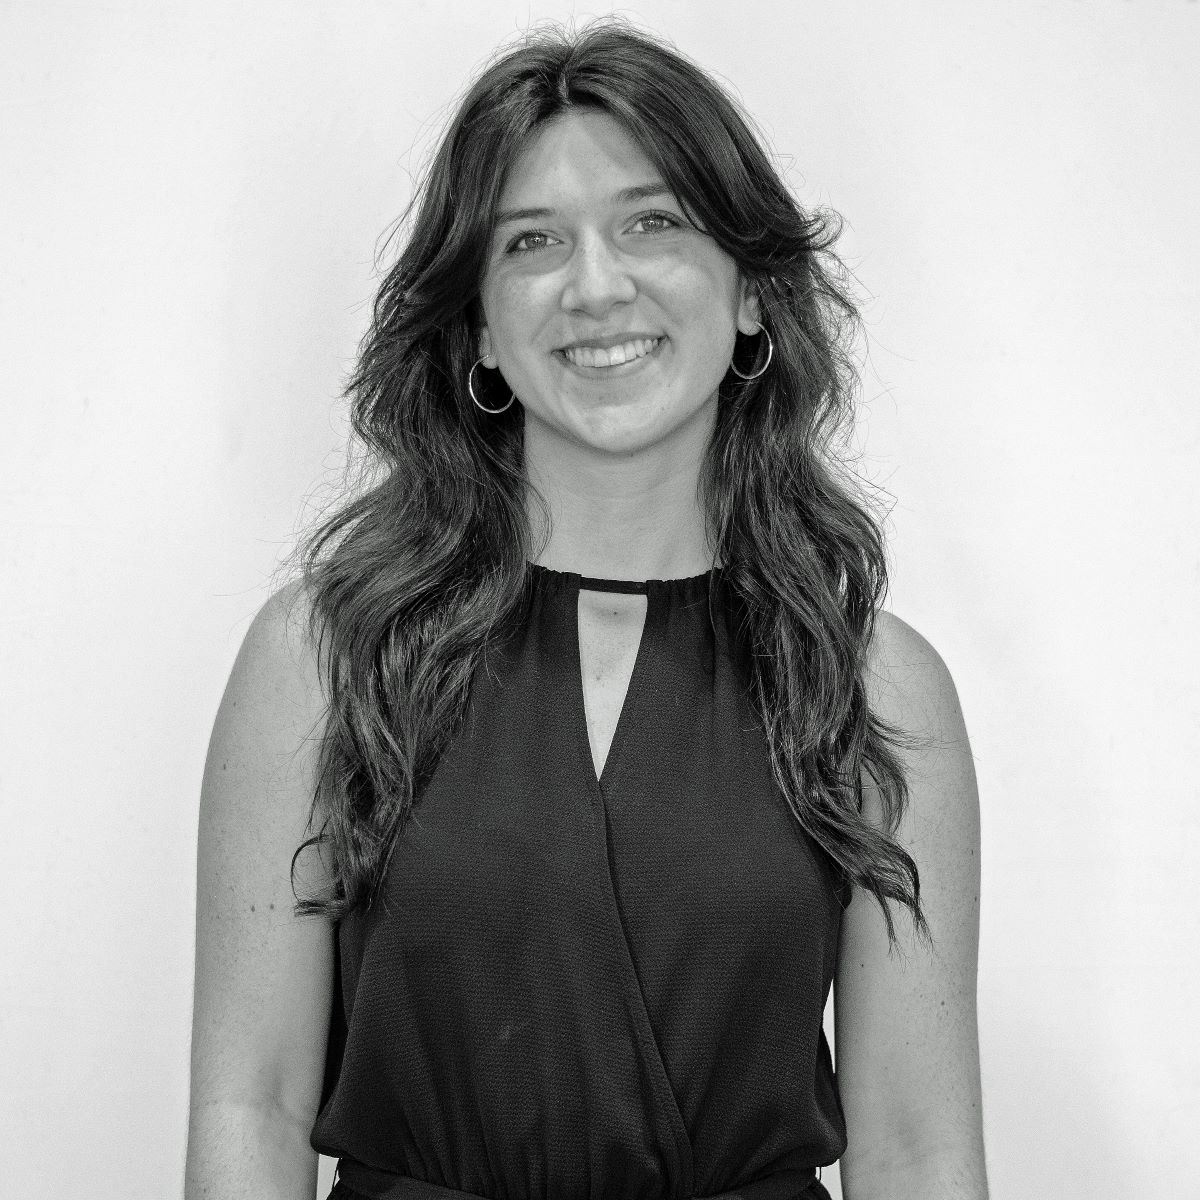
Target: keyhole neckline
column 557, row 594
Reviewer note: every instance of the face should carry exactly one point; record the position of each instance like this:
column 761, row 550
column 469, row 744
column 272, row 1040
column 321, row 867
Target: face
column 610, row 316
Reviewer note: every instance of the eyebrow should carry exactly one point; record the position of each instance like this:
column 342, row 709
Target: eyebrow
column 629, row 195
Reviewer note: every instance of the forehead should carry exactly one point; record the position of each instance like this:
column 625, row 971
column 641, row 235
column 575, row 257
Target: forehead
column 574, row 156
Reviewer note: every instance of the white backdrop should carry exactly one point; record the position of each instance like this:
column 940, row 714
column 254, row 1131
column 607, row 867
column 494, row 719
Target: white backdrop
column 192, row 195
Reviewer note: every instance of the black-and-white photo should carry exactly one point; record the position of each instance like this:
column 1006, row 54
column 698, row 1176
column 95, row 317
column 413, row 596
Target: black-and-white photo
column 600, row 605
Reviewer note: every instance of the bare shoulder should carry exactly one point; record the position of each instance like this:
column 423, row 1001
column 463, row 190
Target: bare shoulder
column 261, row 771
column 278, row 654
column 908, row 683
column 910, row 689
column 262, row 756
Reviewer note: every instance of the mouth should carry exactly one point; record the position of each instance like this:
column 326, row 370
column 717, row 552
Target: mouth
column 593, row 360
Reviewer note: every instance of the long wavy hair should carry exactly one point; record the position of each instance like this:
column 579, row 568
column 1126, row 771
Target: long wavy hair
column 408, row 582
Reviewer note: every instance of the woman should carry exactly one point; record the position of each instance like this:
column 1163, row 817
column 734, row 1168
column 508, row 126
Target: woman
column 600, row 755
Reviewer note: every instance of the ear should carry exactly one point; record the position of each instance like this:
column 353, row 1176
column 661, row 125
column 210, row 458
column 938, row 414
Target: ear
column 749, row 319
column 485, row 349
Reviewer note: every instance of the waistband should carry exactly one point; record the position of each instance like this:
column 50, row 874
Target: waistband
column 387, row 1185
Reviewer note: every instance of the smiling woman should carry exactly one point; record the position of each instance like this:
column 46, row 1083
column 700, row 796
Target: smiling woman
column 543, row 811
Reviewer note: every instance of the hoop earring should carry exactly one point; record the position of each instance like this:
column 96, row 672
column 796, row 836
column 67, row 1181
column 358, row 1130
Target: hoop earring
column 770, row 351
column 471, row 389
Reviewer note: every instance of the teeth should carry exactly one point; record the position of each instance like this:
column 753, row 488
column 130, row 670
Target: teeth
column 586, row 356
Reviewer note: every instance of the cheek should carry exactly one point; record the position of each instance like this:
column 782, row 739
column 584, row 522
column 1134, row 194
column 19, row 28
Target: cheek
column 705, row 293
column 514, row 312
column 491, row 302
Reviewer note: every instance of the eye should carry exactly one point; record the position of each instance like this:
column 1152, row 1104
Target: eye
column 658, row 222
column 527, row 242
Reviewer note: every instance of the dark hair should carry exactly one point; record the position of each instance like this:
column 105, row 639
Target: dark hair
column 409, row 581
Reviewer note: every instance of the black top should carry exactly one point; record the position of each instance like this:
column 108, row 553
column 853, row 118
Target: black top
column 593, row 990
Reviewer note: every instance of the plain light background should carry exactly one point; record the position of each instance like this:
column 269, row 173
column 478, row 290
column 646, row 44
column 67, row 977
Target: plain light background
column 192, row 198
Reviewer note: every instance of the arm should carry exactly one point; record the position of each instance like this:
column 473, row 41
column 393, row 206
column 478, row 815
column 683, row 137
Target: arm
column 905, row 1023
column 263, row 976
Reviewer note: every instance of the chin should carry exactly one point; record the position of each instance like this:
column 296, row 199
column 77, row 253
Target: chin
column 623, row 436
column 626, row 426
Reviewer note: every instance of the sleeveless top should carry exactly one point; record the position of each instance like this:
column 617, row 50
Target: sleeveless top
column 582, row 989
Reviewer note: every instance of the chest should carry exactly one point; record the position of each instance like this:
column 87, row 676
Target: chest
column 610, row 629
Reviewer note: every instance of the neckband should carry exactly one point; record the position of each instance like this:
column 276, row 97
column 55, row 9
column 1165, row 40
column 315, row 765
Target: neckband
column 637, row 587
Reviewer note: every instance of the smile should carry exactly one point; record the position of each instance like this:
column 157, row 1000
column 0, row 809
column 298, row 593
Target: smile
column 592, row 359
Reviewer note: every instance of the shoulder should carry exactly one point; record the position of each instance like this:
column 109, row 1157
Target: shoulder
column 271, row 716
column 911, row 691
column 908, row 683
column 282, row 625
column 278, row 657
column 262, row 765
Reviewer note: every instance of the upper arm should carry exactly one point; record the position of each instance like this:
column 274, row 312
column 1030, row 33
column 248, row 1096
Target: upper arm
column 263, row 976
column 905, row 1022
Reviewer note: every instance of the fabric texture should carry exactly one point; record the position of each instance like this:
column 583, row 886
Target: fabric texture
column 582, row 989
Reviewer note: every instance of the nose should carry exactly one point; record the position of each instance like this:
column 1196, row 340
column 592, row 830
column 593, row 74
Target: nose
column 597, row 278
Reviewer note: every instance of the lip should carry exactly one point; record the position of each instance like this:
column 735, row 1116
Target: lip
column 615, row 339
column 625, row 368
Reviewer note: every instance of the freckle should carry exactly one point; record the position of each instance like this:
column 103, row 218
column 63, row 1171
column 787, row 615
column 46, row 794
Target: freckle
column 252, row 908
column 271, row 906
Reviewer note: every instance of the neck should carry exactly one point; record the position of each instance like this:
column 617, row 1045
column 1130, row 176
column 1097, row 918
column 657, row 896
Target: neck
column 613, row 516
